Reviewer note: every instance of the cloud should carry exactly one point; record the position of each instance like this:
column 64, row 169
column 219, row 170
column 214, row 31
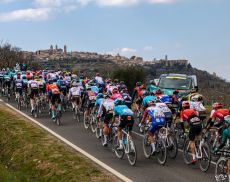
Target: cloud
column 26, row 14
column 127, row 50
column 43, row 9
column 148, row 48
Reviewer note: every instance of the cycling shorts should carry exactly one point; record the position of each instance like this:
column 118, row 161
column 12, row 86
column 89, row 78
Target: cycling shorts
column 126, row 121
column 194, row 130
column 156, row 125
column 54, row 98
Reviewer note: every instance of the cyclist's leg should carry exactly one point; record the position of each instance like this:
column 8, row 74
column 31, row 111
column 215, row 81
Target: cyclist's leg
column 32, row 96
column 107, row 119
column 53, row 100
column 152, row 130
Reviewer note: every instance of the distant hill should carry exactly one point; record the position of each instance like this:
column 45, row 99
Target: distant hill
column 211, row 86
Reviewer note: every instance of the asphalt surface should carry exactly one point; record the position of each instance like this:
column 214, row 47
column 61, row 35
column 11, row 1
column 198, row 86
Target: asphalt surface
column 145, row 170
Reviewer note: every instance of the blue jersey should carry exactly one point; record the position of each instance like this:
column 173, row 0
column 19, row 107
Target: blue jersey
column 61, row 84
column 166, row 99
column 95, row 89
column 122, row 110
column 147, row 99
column 98, row 102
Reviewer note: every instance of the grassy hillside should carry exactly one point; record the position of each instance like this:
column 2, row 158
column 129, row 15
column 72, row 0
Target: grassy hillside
column 29, row 154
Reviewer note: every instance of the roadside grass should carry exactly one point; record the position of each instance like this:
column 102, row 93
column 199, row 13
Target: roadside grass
column 27, row 153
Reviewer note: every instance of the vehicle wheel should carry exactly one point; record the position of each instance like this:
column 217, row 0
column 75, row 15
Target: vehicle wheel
column 204, row 162
column 161, row 151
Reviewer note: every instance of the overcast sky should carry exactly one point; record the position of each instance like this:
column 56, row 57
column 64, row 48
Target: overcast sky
column 197, row 30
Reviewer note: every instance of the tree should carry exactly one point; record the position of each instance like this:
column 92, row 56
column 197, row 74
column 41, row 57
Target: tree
column 130, row 75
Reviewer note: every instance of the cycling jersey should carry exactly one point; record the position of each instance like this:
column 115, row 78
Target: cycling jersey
column 151, row 88
column 33, row 84
column 147, row 99
column 115, row 96
column 220, row 114
column 98, row 102
column 122, row 110
column 99, row 79
column 75, row 91
column 107, row 105
column 53, row 89
column 157, row 118
column 187, row 114
column 18, row 84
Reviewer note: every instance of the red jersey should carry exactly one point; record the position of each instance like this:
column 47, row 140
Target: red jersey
column 220, row 114
column 115, row 96
column 53, row 88
column 187, row 114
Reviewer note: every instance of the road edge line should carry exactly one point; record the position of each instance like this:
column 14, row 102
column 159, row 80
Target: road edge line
column 83, row 152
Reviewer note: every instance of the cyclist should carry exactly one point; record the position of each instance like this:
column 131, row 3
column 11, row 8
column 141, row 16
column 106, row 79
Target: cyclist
column 18, row 86
column 115, row 94
column 75, row 94
column 54, row 96
column 152, row 86
column 6, row 82
column 126, row 118
column 195, row 127
column 106, row 111
column 33, row 88
column 157, row 118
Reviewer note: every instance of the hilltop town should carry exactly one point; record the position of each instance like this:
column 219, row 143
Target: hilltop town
column 59, row 54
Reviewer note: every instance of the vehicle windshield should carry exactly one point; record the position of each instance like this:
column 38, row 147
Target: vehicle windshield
column 175, row 82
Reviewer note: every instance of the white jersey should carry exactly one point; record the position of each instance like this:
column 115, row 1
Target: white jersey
column 33, row 84
column 99, row 79
column 76, row 91
column 163, row 107
column 107, row 104
column 198, row 106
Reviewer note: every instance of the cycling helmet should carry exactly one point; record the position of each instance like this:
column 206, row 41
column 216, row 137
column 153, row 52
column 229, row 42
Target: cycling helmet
column 158, row 91
column 217, row 106
column 138, row 84
column 115, row 90
column 97, row 74
column 99, row 96
column 122, row 82
column 185, row 105
column 146, row 93
column 152, row 82
column 143, row 86
column 24, row 77
column 54, row 80
column 195, row 98
column 115, row 81
column 176, row 92
column 118, row 101
column 106, row 96
column 74, row 84
column 151, row 102
column 51, row 82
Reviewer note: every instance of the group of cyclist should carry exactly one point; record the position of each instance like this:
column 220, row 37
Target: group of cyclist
column 113, row 103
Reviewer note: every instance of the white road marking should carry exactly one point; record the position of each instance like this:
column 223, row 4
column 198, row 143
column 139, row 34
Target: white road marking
column 138, row 134
column 105, row 166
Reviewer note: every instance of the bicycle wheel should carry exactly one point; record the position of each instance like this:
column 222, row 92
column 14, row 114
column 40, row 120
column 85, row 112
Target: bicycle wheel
column 18, row 104
column 161, row 151
column 78, row 115
column 93, row 123
column 58, row 118
column 172, row 147
column 186, row 153
column 132, row 154
column 86, row 122
column 204, row 162
column 147, row 148
column 97, row 131
column 36, row 112
column 221, row 170
column 119, row 153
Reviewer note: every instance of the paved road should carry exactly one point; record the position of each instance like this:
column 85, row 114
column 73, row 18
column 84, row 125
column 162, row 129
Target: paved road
column 146, row 170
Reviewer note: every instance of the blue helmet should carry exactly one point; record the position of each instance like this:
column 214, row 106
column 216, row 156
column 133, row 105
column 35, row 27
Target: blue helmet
column 118, row 101
column 99, row 96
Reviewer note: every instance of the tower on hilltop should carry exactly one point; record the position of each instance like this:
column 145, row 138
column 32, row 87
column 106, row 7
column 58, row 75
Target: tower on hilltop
column 65, row 49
